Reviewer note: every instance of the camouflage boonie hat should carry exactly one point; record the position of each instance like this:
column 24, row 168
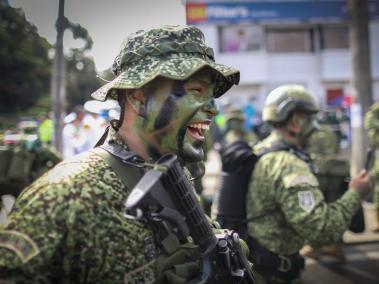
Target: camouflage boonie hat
column 174, row 52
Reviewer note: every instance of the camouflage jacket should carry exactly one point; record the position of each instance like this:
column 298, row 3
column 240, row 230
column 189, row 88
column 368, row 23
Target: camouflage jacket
column 68, row 227
column 285, row 207
column 323, row 142
column 371, row 122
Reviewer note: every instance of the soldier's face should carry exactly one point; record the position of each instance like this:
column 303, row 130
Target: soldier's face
column 177, row 114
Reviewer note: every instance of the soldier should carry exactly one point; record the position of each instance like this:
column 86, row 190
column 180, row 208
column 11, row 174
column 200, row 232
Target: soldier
column 23, row 158
column 285, row 207
column 235, row 130
column 69, row 226
column 332, row 172
column 372, row 125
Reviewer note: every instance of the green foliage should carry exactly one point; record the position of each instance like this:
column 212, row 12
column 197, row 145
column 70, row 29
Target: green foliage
column 41, row 106
column 25, row 68
column 24, row 63
column 81, row 78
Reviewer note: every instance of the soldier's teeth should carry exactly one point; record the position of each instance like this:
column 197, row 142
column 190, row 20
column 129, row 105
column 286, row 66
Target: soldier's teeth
column 202, row 126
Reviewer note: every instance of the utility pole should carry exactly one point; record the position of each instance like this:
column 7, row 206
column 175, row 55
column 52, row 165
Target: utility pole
column 58, row 88
column 361, row 79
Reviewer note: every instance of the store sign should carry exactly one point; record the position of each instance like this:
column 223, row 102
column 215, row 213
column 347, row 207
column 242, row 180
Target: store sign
column 280, row 11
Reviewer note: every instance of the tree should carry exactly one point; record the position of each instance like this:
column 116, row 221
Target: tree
column 81, row 78
column 24, row 63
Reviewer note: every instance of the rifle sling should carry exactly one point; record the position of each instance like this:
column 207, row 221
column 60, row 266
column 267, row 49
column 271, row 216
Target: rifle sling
column 128, row 171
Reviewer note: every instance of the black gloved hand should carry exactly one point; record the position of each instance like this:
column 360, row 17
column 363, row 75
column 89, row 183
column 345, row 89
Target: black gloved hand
column 237, row 158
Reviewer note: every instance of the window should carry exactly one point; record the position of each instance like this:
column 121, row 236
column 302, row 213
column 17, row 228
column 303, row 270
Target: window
column 240, row 38
column 334, row 96
column 289, row 40
column 334, row 37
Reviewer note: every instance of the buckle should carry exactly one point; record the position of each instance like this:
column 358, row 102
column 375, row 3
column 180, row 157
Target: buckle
column 285, row 264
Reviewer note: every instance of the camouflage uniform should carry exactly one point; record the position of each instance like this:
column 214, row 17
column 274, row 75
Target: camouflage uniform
column 24, row 158
column 68, row 226
column 285, row 207
column 372, row 125
column 323, row 147
column 323, row 141
column 235, row 129
column 278, row 219
column 332, row 172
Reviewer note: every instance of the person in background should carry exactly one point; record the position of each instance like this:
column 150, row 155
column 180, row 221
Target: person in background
column 371, row 122
column 285, row 206
column 332, row 172
column 235, row 128
column 23, row 158
column 45, row 129
column 75, row 139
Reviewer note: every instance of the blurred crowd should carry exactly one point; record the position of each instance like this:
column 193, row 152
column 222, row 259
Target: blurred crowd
column 85, row 125
column 26, row 150
column 235, row 121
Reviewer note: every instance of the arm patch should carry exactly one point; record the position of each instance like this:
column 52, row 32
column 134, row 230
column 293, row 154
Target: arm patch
column 293, row 180
column 306, row 200
column 22, row 245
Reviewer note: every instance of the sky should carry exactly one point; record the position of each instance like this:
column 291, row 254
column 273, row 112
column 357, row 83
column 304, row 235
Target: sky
column 107, row 21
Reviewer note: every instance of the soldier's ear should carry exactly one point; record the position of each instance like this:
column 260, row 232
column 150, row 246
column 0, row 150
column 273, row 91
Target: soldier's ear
column 137, row 100
column 296, row 121
column 139, row 95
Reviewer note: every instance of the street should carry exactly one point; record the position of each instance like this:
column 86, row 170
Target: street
column 361, row 267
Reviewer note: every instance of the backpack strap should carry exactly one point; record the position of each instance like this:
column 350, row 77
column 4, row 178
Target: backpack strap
column 281, row 146
column 236, row 175
column 274, row 147
column 127, row 166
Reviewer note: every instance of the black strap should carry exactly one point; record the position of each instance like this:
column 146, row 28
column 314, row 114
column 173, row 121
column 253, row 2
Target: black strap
column 282, row 146
column 127, row 166
column 270, row 264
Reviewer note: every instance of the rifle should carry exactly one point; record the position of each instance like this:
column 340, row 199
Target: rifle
column 165, row 197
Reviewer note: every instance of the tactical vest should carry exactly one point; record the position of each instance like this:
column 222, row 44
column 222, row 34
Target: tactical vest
column 238, row 162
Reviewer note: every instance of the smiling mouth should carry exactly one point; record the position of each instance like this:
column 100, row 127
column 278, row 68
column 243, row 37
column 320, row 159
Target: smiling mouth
column 197, row 129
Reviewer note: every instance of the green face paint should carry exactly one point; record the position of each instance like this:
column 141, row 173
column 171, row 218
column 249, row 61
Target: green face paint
column 177, row 114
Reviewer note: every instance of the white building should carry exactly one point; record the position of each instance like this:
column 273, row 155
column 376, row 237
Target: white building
column 281, row 42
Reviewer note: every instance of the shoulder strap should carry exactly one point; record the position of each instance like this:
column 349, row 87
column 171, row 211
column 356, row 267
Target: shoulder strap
column 274, row 147
column 281, row 146
column 128, row 172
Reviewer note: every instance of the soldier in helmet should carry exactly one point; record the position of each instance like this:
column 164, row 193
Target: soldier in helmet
column 234, row 129
column 372, row 126
column 68, row 226
column 285, row 207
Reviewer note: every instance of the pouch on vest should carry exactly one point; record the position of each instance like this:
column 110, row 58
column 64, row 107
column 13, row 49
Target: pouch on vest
column 15, row 169
column 5, row 160
column 21, row 164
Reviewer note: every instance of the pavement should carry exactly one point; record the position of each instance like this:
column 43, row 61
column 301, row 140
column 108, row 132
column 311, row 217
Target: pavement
column 361, row 267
